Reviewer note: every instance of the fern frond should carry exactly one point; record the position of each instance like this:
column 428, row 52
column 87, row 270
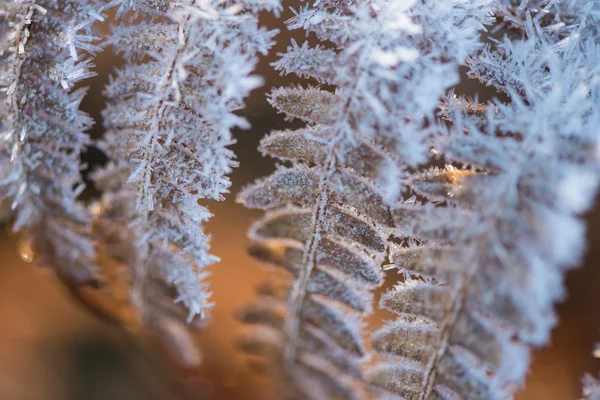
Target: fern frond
column 479, row 291
column 45, row 49
column 169, row 122
column 348, row 165
column 346, row 246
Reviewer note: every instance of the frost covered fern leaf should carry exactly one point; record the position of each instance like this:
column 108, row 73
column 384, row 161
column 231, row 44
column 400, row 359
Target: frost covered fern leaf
column 328, row 221
column 453, row 338
column 45, row 49
column 328, row 233
column 169, row 121
column 481, row 288
column 391, row 63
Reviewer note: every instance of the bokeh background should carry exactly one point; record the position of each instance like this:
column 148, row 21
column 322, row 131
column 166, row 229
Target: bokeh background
column 53, row 348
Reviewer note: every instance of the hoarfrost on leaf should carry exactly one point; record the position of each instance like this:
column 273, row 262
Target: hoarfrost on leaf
column 169, row 121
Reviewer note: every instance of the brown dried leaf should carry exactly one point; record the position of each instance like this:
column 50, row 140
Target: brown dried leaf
column 295, row 223
column 337, row 321
column 311, row 105
column 301, row 185
column 315, row 341
column 264, row 311
column 419, row 299
column 322, row 380
column 309, row 144
column 261, row 341
column 409, row 338
column 403, row 377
